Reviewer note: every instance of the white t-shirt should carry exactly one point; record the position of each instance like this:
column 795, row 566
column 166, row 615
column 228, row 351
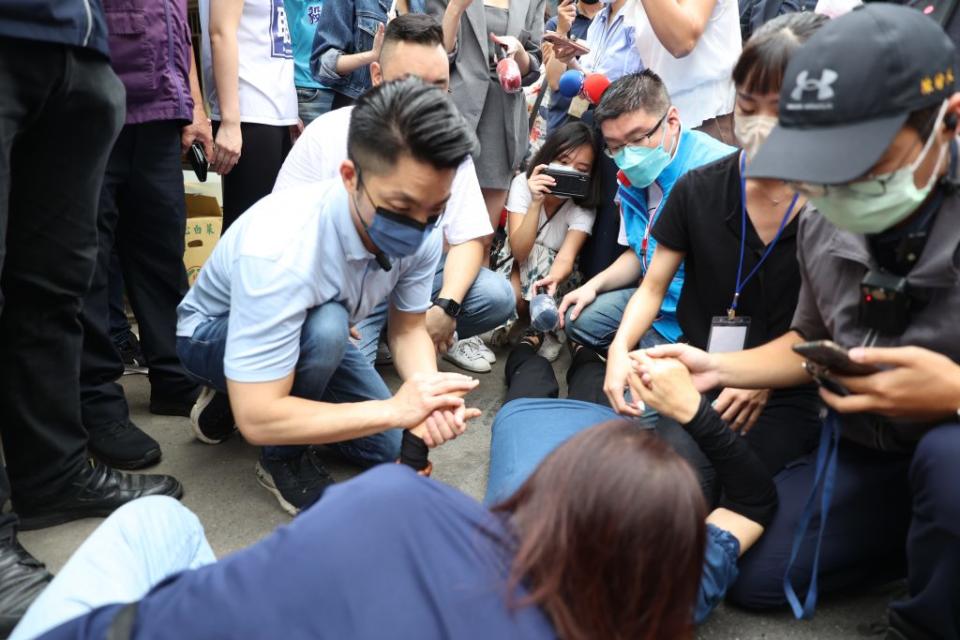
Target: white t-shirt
column 322, row 147
column 265, row 56
column 289, row 253
column 568, row 217
column 699, row 84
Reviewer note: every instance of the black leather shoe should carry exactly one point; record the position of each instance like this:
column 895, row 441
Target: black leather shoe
column 123, row 446
column 96, row 492
column 22, row 578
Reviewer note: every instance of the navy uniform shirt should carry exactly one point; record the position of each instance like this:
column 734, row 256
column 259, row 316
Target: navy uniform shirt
column 386, row 555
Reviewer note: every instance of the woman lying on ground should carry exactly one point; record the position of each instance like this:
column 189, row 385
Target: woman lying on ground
column 390, row 554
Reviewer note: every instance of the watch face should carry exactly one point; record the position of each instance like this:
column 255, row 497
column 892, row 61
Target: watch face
column 451, row 307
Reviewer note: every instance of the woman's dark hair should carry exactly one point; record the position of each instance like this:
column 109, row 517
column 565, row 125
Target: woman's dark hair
column 408, row 117
column 763, row 61
column 611, row 537
column 567, row 138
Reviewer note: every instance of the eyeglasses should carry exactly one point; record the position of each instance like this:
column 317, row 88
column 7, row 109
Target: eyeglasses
column 639, row 141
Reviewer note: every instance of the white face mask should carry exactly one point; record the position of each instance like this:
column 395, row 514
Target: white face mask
column 752, row 131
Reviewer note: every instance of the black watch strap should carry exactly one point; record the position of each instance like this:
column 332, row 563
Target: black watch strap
column 450, row 307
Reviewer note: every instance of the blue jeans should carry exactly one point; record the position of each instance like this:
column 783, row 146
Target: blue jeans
column 598, row 323
column 313, row 103
column 141, row 544
column 329, row 369
column 488, row 304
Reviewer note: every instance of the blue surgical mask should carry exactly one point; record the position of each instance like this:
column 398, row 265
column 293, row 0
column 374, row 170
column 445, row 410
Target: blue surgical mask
column 642, row 165
column 394, row 234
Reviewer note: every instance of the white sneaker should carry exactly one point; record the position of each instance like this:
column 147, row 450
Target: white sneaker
column 384, row 357
column 550, row 348
column 466, row 355
column 484, row 350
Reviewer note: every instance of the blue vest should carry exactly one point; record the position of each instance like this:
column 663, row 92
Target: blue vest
column 695, row 150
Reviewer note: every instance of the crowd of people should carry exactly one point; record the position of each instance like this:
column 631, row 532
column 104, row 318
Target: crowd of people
column 743, row 243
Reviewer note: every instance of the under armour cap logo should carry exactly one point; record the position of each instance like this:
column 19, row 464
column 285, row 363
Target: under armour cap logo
column 823, row 86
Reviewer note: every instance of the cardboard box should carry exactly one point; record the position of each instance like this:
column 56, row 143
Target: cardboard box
column 204, row 224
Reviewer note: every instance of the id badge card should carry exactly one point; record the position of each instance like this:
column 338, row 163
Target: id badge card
column 728, row 334
column 578, row 106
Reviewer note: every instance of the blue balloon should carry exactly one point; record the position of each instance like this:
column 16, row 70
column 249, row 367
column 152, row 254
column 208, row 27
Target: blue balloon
column 571, row 82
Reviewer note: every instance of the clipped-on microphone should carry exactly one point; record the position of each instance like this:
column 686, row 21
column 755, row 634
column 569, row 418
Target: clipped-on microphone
column 383, row 260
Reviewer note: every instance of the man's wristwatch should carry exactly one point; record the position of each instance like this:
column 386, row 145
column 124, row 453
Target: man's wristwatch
column 450, row 307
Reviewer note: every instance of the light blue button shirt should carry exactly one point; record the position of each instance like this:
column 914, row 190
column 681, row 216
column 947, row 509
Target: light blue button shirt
column 612, row 46
column 290, row 252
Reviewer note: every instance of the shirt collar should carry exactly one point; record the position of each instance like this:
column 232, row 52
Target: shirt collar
column 338, row 208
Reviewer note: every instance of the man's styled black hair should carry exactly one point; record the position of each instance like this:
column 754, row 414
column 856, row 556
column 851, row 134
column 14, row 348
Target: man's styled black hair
column 415, row 28
column 643, row 91
column 410, row 117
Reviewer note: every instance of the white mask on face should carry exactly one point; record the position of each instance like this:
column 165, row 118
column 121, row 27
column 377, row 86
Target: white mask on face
column 752, row 131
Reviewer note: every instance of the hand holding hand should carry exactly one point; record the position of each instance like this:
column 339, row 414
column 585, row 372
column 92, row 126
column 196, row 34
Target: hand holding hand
column 700, row 363
column 432, row 395
column 667, row 387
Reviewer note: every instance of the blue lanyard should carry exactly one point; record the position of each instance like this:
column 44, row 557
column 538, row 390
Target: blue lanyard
column 741, row 283
column 825, row 476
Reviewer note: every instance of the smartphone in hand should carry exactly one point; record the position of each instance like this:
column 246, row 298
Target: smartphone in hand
column 833, row 358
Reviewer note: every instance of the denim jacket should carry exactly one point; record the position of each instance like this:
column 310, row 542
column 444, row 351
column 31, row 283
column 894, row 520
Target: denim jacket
column 348, row 26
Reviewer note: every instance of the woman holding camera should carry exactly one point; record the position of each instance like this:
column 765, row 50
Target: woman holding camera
column 545, row 230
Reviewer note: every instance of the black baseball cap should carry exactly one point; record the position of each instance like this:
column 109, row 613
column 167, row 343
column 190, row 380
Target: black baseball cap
column 850, row 88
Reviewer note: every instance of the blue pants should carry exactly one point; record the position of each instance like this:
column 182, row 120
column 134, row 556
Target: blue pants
column 329, row 369
column 598, row 323
column 488, row 304
column 883, row 504
column 141, row 544
column 313, row 103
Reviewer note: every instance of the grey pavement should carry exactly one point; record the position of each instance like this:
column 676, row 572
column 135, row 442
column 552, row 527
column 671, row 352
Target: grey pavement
column 221, row 489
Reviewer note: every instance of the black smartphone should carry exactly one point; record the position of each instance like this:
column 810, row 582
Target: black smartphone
column 198, row 160
column 822, row 378
column 570, row 182
column 833, row 357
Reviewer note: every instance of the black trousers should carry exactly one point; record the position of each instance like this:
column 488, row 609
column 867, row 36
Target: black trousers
column 265, row 147
column 60, row 111
column 142, row 214
column 788, row 428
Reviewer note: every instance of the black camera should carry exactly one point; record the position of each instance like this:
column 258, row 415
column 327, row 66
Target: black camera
column 885, row 302
column 570, row 182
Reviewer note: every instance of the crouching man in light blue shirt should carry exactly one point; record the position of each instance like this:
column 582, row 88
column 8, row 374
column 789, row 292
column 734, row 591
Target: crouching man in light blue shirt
column 268, row 325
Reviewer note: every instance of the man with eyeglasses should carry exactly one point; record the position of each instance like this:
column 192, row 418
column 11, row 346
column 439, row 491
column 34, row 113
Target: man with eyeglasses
column 468, row 298
column 268, row 324
column 646, row 140
column 867, row 131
